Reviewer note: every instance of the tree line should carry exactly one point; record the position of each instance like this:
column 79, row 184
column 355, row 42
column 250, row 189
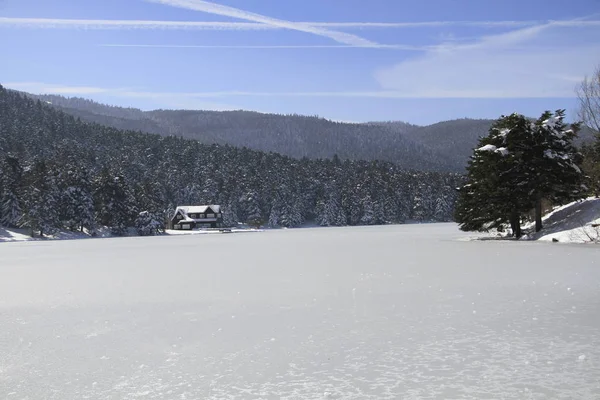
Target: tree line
column 57, row 172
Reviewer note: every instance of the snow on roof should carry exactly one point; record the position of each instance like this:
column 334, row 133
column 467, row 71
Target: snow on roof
column 487, row 147
column 198, row 209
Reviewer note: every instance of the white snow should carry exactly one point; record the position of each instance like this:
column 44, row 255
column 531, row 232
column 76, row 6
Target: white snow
column 131, row 318
column 551, row 122
column 572, row 223
column 22, row 235
column 549, row 154
column 490, row 147
column 13, row 235
column 487, row 147
column 503, row 133
column 502, row 150
column 198, row 209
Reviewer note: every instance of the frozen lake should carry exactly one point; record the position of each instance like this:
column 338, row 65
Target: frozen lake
column 396, row 312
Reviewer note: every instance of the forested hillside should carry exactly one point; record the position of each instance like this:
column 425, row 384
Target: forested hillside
column 293, row 135
column 444, row 146
column 57, row 172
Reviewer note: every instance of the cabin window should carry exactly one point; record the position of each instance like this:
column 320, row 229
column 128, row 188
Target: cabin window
column 179, row 216
column 210, row 215
column 193, row 215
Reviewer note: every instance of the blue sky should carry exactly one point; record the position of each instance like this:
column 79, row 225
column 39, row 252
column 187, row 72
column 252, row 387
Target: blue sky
column 349, row 60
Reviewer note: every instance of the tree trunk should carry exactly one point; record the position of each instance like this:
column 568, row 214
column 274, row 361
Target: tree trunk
column 515, row 223
column 518, row 233
column 538, row 213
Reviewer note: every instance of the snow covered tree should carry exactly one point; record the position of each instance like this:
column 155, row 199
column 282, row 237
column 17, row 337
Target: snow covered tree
column 148, row 224
column 10, row 191
column 329, row 210
column 518, row 165
column 76, row 202
column 494, row 193
column 113, row 202
column 554, row 163
column 41, row 199
column 252, row 211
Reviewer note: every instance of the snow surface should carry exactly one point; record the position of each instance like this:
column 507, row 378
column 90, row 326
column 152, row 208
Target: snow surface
column 573, row 223
column 387, row 312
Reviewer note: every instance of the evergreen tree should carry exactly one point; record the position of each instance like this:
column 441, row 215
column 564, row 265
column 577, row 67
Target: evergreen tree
column 41, row 199
column 553, row 163
column 10, row 192
column 329, row 211
column 148, row 224
column 113, row 202
column 515, row 167
column 76, row 202
column 252, row 211
column 495, row 194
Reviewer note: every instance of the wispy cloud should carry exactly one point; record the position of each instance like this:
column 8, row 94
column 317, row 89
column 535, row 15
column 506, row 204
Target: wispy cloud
column 538, row 61
column 168, row 98
column 45, row 88
column 226, row 11
column 105, row 24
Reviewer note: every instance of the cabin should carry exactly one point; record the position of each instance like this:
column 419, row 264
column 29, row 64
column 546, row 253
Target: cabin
column 197, row 217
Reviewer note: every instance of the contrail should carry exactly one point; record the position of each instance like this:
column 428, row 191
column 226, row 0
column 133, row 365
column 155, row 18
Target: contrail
column 102, row 24
column 226, row 11
column 128, row 24
column 185, row 46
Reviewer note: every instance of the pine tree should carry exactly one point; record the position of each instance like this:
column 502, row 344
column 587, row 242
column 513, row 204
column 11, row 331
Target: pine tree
column 495, row 192
column 252, row 211
column 516, row 166
column 76, row 203
column 41, row 199
column 114, row 202
column 10, row 194
column 555, row 163
column 148, row 224
column 329, row 211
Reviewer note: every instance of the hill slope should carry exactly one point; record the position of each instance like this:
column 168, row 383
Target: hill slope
column 577, row 222
column 292, row 135
column 445, row 146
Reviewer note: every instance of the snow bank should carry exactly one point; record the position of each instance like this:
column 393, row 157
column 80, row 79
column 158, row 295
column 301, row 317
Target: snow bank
column 206, row 232
column 576, row 222
column 22, row 235
column 13, row 235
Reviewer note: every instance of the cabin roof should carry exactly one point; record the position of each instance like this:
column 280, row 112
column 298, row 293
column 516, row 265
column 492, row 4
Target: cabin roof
column 198, row 209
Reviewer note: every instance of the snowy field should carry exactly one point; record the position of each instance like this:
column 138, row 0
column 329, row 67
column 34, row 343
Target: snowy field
column 396, row 312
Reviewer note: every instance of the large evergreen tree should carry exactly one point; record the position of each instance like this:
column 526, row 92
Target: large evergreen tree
column 519, row 164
